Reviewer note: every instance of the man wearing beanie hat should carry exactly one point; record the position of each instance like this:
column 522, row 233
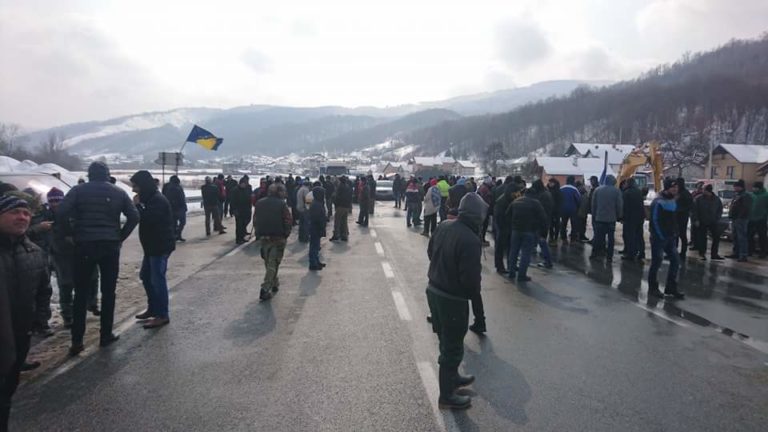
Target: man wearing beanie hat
column 158, row 239
column 23, row 300
column 741, row 207
column 454, row 277
column 663, row 227
column 706, row 213
column 91, row 213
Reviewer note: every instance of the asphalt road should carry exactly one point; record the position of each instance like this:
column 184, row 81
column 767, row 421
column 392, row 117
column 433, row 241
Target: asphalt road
column 347, row 349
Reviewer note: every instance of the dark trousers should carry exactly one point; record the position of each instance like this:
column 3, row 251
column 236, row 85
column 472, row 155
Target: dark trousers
column 500, row 247
column 242, row 218
column 443, row 210
column 739, row 229
column 88, row 256
column 329, row 207
column 153, row 277
column 546, row 254
column 398, row 198
column 604, row 238
column 554, row 227
column 633, row 238
column 413, row 213
column 564, row 226
column 660, row 248
column 701, row 240
column 682, row 226
column 304, row 226
column 314, row 250
column 228, row 210
column 10, row 382
column 484, row 229
column 179, row 221
column 758, row 229
column 450, row 320
column 521, row 245
column 362, row 217
column 64, row 264
column 340, row 225
column 212, row 212
column 430, row 223
column 477, row 308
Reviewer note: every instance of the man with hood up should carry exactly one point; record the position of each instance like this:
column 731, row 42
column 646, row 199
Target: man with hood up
column 178, row 199
column 94, row 209
column 454, row 278
column 158, row 240
column 607, row 208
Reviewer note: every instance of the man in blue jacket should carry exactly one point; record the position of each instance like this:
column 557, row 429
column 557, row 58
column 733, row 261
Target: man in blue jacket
column 664, row 228
column 94, row 209
column 571, row 198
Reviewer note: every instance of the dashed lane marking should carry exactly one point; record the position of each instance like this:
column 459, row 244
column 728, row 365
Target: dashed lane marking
column 428, row 379
column 237, row 249
column 373, row 233
column 379, row 249
column 660, row 314
column 402, row 308
column 388, row 270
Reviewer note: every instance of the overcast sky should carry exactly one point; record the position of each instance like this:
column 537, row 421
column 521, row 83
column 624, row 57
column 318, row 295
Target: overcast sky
column 77, row 60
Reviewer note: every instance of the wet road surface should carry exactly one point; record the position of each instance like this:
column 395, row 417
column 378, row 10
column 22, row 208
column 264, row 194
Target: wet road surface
column 579, row 348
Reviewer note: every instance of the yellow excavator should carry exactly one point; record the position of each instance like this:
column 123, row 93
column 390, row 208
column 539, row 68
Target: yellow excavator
column 647, row 154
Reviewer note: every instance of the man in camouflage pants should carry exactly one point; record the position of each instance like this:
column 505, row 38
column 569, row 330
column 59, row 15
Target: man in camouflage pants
column 273, row 223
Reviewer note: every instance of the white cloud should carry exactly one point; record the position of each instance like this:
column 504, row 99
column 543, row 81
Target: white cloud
column 521, row 42
column 257, row 60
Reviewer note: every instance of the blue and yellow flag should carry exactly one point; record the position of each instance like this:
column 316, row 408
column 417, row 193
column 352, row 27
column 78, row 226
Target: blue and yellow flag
column 204, row 138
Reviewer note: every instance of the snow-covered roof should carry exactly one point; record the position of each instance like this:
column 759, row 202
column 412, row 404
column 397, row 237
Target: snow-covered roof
column 8, row 163
column 466, row 164
column 615, row 156
column 432, row 161
column 598, row 150
column 745, row 153
column 572, row 166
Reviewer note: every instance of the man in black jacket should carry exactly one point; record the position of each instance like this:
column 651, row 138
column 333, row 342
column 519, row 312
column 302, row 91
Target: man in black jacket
column 739, row 213
column 633, row 217
column 542, row 195
column 158, row 240
column 705, row 214
column 178, row 199
column 210, row 193
column 526, row 219
column 229, row 184
column 272, row 223
column 240, row 202
column 95, row 208
column 454, row 277
column 684, row 204
column 343, row 202
column 25, row 294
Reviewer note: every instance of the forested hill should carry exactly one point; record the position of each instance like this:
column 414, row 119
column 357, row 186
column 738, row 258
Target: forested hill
column 720, row 95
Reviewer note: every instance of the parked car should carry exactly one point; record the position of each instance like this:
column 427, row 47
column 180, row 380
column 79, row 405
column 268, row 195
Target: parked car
column 384, row 190
column 40, row 183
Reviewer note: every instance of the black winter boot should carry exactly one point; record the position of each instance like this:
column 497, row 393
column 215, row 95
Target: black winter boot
column 448, row 398
column 463, row 380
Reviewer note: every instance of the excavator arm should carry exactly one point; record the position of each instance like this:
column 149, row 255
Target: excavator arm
column 648, row 154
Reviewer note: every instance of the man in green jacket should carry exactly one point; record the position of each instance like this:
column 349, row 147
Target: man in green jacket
column 757, row 221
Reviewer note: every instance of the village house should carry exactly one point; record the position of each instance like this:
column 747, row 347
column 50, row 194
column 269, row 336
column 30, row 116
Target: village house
column 739, row 161
column 561, row 167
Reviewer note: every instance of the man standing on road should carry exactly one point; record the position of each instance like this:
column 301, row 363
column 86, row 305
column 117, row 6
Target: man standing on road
column 526, row 219
column 607, row 208
column 317, row 224
column 175, row 194
column 757, row 220
column 663, row 226
column 397, row 187
column 95, row 208
column 634, row 215
column 706, row 213
column 343, row 201
column 229, row 185
column 158, row 240
column 273, row 225
column 741, row 207
column 25, row 293
column 542, row 195
column 363, row 200
column 501, row 226
column 302, row 210
column 413, row 203
column 432, row 202
column 454, row 277
column 684, row 204
column 210, row 193
column 569, row 209
column 240, row 200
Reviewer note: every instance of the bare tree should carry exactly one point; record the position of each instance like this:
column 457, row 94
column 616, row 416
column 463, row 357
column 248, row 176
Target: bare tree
column 8, row 134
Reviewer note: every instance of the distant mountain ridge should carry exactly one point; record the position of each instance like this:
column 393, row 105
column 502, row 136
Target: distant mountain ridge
column 275, row 130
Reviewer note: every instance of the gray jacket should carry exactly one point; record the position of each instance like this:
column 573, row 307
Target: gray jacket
column 607, row 202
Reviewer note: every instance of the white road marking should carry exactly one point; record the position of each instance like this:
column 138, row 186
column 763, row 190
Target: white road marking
column 660, row 314
column 379, row 249
column 237, row 249
column 388, row 270
column 445, row 419
column 402, row 308
column 373, row 233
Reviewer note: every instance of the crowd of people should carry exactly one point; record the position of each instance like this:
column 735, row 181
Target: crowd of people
column 80, row 235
